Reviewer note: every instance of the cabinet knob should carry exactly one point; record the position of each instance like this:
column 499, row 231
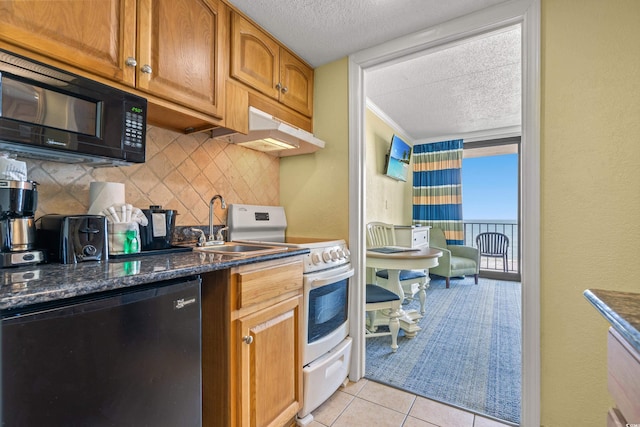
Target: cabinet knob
column 131, row 62
column 284, row 90
column 247, row 339
column 146, row 68
column 278, row 86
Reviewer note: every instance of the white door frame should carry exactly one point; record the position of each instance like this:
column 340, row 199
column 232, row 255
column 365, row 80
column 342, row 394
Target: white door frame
column 527, row 13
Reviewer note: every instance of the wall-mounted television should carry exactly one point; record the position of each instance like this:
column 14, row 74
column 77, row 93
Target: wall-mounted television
column 397, row 162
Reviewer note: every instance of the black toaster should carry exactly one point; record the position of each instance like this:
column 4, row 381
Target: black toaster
column 70, row 239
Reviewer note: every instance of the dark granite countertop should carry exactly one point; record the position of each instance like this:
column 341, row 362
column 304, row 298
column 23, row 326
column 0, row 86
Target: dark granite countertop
column 621, row 309
column 24, row 286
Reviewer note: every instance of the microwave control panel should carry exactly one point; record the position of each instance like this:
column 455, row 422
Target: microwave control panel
column 134, row 128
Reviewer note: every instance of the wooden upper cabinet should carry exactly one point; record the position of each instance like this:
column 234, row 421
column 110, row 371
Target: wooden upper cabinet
column 179, row 57
column 167, row 48
column 260, row 62
column 94, row 35
column 255, row 57
column 297, row 83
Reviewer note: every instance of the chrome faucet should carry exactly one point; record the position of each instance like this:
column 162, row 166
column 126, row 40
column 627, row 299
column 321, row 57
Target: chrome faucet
column 223, row 205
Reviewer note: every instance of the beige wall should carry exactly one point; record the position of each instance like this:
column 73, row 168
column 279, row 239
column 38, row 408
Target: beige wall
column 590, row 193
column 314, row 188
column 182, row 172
column 387, row 200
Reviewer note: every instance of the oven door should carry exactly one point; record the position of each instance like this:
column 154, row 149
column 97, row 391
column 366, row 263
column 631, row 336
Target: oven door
column 326, row 311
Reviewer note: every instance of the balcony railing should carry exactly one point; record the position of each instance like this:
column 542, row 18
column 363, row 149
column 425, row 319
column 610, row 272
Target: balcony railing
column 510, row 229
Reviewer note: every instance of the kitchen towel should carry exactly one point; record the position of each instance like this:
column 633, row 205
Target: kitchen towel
column 103, row 195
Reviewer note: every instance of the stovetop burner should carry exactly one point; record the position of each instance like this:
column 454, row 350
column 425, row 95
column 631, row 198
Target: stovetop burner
column 267, row 224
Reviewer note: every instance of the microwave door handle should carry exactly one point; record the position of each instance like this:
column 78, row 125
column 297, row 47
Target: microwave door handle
column 316, row 283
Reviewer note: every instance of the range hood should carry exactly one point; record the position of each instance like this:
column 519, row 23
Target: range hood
column 268, row 134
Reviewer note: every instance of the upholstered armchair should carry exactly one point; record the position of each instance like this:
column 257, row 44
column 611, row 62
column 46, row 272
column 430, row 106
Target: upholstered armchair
column 456, row 260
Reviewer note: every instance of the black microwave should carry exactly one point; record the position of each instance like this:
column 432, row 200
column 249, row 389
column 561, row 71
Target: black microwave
column 51, row 114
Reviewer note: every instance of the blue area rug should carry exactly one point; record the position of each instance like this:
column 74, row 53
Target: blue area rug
column 467, row 353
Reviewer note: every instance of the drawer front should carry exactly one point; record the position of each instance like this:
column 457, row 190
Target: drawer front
column 269, row 283
column 412, row 237
column 420, row 238
column 624, row 376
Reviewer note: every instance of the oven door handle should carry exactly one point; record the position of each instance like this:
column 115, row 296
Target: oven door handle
column 316, row 283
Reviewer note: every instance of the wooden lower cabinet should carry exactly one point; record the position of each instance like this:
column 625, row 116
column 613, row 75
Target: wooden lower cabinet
column 268, row 357
column 252, row 350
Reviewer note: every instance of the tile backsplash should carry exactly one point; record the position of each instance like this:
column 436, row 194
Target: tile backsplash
column 181, row 172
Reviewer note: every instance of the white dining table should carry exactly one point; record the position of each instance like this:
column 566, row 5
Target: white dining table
column 408, row 259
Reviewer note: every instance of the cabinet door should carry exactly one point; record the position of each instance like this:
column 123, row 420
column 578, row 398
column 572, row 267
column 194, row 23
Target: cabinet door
column 270, row 364
column 297, row 84
column 179, row 44
column 94, row 35
column 255, row 57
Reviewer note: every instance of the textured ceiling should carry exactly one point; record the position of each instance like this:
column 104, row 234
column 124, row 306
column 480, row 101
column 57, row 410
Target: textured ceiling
column 467, row 89
column 321, row 31
column 472, row 87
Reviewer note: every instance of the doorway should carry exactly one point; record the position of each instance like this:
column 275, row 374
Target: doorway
column 526, row 12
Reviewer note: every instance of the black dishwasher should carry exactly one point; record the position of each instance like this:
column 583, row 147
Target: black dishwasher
column 121, row 359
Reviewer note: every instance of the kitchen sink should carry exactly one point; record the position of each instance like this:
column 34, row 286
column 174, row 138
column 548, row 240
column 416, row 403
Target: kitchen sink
column 238, row 249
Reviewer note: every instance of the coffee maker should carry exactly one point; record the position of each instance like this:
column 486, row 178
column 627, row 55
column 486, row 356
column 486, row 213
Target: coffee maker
column 18, row 202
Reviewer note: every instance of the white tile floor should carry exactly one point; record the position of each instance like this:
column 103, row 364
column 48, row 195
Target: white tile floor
column 367, row 403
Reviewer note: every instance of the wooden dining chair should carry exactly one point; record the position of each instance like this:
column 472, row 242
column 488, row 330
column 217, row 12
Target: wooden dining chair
column 413, row 282
column 379, row 298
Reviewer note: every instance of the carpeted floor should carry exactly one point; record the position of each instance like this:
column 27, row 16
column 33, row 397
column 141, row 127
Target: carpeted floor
column 467, row 353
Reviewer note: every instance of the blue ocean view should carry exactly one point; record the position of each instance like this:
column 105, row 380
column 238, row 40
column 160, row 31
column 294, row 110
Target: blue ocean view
column 489, row 224
column 473, row 227
column 398, row 169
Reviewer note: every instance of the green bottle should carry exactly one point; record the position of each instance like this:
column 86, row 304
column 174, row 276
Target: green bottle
column 131, row 242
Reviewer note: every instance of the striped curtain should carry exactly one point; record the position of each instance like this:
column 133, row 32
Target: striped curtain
column 437, row 188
